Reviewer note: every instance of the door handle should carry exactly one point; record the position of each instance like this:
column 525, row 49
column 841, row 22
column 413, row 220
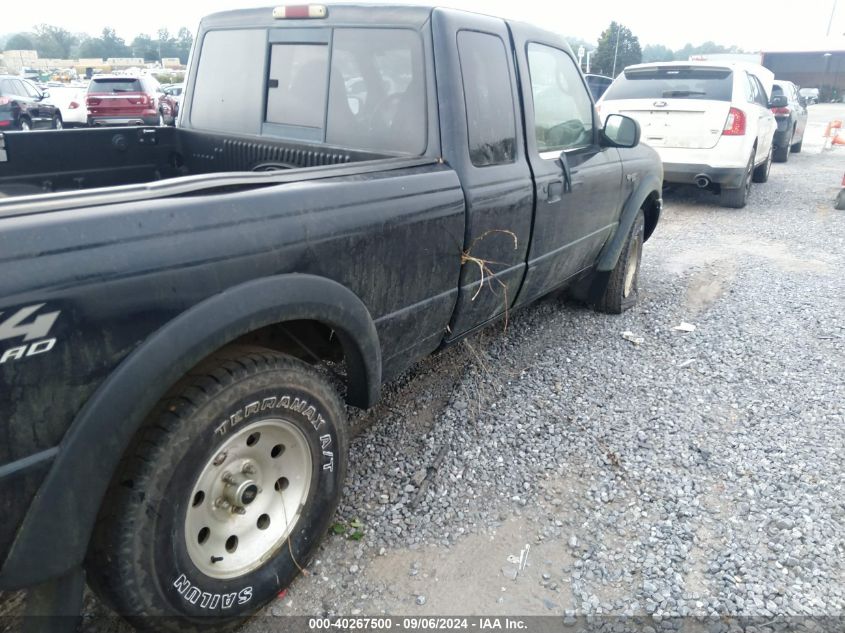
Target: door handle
column 555, row 191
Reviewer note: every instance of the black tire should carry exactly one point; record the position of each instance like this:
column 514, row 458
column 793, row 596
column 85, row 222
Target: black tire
column 796, row 147
column 761, row 172
column 738, row 198
column 139, row 561
column 840, row 200
column 781, row 154
column 26, row 125
column 58, row 124
column 622, row 291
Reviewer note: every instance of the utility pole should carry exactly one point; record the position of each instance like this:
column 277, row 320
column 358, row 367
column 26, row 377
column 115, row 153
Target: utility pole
column 830, row 21
column 616, row 51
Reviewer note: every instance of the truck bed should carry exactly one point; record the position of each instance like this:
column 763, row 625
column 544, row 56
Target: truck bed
column 157, row 161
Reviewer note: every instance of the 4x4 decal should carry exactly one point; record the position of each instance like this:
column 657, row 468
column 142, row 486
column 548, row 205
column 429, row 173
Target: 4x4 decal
column 22, row 325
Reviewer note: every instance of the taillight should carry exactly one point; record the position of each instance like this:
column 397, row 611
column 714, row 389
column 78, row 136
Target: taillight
column 5, row 123
column 93, row 101
column 73, row 105
column 5, row 101
column 780, row 111
column 735, row 125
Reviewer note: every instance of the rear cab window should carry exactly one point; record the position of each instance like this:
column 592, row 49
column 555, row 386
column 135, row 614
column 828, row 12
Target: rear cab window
column 362, row 88
column 668, row 82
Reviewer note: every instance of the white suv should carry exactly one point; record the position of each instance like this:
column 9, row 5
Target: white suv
column 710, row 122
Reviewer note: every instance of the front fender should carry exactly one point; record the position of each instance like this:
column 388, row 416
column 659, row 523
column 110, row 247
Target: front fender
column 613, row 248
column 54, row 535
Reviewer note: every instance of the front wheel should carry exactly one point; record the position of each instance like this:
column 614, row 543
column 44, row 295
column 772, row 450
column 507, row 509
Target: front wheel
column 622, row 289
column 228, row 490
column 26, row 126
column 57, row 123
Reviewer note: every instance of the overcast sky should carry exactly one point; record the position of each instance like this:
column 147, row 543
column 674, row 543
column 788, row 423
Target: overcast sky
column 750, row 24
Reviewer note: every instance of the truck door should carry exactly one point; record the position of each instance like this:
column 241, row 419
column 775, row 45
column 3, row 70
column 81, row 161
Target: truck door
column 482, row 140
column 573, row 219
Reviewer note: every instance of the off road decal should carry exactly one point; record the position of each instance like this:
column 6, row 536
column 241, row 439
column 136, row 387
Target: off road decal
column 21, row 325
column 290, row 403
column 210, row 601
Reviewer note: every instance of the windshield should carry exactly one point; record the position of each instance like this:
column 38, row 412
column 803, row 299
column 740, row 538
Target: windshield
column 667, row 82
column 115, row 85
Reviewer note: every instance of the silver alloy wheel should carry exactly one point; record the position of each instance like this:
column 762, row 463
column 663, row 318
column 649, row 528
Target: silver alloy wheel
column 25, row 126
column 631, row 268
column 59, row 124
column 248, row 498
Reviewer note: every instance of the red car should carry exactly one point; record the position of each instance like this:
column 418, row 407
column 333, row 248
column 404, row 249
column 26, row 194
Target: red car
column 118, row 100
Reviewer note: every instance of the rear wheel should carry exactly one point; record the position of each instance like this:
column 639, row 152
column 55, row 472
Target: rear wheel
column 57, row 123
column 26, row 126
column 738, row 198
column 225, row 495
column 796, row 147
column 781, row 154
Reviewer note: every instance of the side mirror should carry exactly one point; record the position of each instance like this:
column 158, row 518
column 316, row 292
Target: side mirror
column 779, row 101
column 45, row 95
column 621, row 131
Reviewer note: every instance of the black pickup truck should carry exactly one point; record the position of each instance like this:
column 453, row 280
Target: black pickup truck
column 184, row 312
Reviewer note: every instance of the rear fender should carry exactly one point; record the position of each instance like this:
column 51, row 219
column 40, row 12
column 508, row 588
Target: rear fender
column 54, row 535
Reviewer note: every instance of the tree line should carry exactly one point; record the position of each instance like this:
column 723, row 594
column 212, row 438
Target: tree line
column 54, row 42
column 618, row 47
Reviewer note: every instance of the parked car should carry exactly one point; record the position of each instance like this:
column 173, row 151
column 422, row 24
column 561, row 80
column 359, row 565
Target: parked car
column 173, row 94
column 125, row 100
column 810, row 94
column 790, row 110
column 598, row 85
column 71, row 104
column 840, row 198
column 24, row 107
column 165, row 291
column 710, row 122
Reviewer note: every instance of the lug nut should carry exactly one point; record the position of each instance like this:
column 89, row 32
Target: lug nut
column 248, row 469
column 227, row 478
column 239, row 510
column 221, row 457
column 223, row 503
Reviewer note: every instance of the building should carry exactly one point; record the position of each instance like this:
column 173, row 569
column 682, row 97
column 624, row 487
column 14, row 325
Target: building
column 818, row 64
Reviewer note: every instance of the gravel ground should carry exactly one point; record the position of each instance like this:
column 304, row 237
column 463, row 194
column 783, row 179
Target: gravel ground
column 699, row 473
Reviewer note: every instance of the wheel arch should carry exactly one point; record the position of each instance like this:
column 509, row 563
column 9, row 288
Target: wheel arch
column 54, row 536
column 646, row 197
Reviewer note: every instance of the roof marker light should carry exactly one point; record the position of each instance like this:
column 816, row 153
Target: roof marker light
column 301, row 12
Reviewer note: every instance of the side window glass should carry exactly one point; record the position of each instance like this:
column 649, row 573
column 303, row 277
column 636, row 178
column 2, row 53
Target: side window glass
column 31, row 92
column 762, row 98
column 18, row 88
column 489, row 99
column 563, row 110
column 296, row 93
column 750, row 88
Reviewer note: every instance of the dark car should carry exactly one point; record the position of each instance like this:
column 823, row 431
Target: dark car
column 361, row 191
column 598, row 84
column 23, row 106
column 790, row 110
column 121, row 100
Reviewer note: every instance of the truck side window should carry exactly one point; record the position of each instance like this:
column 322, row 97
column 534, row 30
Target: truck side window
column 489, row 99
column 230, row 81
column 296, row 93
column 377, row 91
column 563, row 111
